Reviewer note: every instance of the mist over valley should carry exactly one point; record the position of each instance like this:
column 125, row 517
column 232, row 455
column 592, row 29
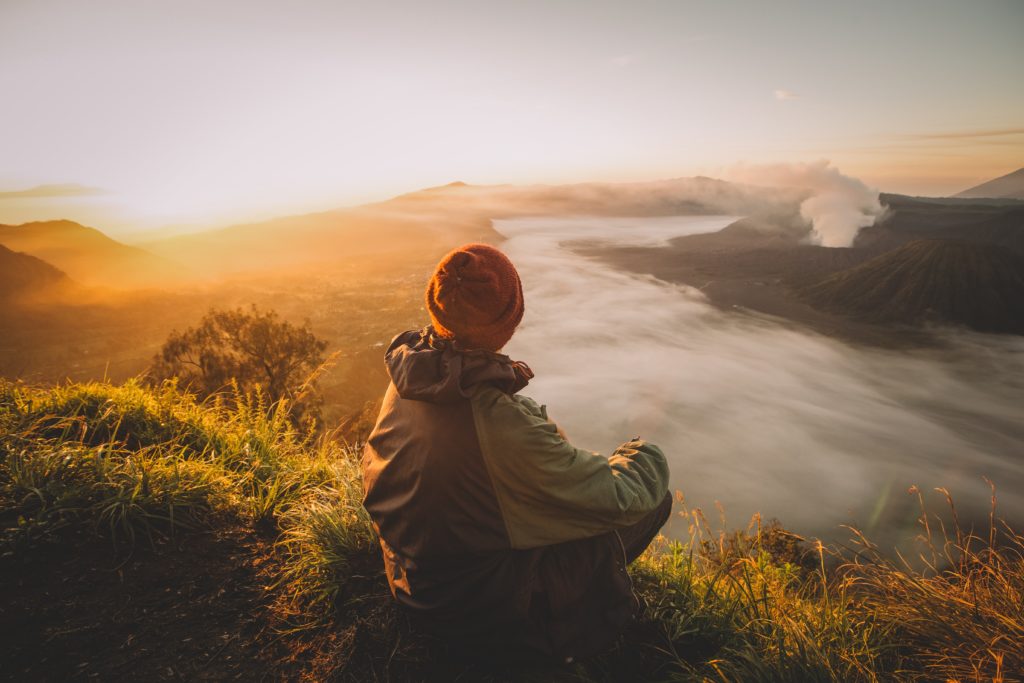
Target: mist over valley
column 755, row 413
column 731, row 322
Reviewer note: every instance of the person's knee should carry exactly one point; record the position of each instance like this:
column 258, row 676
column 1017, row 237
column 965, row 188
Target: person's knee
column 664, row 509
column 637, row 537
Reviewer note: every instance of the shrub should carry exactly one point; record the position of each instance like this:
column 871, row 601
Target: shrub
column 266, row 359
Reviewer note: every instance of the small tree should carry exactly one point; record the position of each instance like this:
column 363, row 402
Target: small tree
column 255, row 349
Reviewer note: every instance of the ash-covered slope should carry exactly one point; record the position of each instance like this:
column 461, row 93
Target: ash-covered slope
column 979, row 286
column 909, row 219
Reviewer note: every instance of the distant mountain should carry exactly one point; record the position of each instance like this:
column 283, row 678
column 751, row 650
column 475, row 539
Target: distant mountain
column 1009, row 186
column 423, row 225
column 22, row 275
column 975, row 285
column 672, row 197
column 906, row 219
column 89, row 256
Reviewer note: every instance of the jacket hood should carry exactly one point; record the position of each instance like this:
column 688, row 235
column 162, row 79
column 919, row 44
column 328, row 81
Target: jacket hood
column 427, row 367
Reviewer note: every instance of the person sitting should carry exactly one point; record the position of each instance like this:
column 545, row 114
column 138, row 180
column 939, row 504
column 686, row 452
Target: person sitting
column 497, row 532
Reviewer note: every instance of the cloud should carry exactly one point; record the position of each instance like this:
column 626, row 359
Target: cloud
column 966, row 134
column 783, row 94
column 50, row 191
column 750, row 413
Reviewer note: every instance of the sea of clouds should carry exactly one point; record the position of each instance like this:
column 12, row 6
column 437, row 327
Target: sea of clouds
column 753, row 412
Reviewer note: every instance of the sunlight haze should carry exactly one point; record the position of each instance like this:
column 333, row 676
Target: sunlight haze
column 210, row 113
column 541, row 340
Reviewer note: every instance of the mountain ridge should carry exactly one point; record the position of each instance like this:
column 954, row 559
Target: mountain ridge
column 25, row 276
column 426, row 223
column 89, row 255
column 1009, row 186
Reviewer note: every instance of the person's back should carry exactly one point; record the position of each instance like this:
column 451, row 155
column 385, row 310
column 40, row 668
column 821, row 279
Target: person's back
column 495, row 530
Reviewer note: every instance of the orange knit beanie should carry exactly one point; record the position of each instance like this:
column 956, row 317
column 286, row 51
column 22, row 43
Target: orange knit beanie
column 475, row 297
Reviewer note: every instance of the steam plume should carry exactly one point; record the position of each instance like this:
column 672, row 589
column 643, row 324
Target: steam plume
column 838, row 207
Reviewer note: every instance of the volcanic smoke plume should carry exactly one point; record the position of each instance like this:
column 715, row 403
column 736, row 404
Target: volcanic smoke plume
column 839, row 206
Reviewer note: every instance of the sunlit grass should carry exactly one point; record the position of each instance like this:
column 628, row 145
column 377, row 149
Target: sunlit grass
column 128, row 464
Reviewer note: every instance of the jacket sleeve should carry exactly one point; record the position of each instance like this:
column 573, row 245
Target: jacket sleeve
column 550, row 491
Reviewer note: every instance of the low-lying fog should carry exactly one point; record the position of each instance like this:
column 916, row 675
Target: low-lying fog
column 753, row 413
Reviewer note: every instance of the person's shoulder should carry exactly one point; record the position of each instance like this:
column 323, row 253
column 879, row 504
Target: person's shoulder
column 490, row 396
column 496, row 401
column 406, row 338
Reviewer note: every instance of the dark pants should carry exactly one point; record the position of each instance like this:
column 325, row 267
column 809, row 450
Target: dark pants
column 570, row 599
column 582, row 594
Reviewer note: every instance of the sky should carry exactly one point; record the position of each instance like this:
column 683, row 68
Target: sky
column 145, row 113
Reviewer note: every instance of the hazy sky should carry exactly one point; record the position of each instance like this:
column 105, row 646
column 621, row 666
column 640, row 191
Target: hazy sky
column 215, row 111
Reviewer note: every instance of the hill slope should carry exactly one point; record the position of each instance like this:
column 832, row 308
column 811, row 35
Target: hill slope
column 979, row 286
column 1009, row 186
column 22, row 274
column 89, row 256
column 349, row 236
column 137, row 541
column 423, row 225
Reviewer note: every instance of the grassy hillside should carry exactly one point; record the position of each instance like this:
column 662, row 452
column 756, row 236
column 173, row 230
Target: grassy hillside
column 146, row 535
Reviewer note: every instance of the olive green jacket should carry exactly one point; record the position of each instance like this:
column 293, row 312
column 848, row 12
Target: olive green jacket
column 548, row 490
column 492, row 525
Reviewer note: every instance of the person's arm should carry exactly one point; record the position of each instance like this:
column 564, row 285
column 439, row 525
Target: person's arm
column 550, row 491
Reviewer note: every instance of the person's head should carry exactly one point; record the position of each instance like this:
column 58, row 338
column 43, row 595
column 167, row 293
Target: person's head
column 475, row 297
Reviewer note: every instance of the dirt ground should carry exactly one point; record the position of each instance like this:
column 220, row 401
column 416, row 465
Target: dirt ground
column 200, row 608
column 192, row 608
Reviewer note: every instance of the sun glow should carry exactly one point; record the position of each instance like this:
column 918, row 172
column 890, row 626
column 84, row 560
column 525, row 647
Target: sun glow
column 245, row 110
